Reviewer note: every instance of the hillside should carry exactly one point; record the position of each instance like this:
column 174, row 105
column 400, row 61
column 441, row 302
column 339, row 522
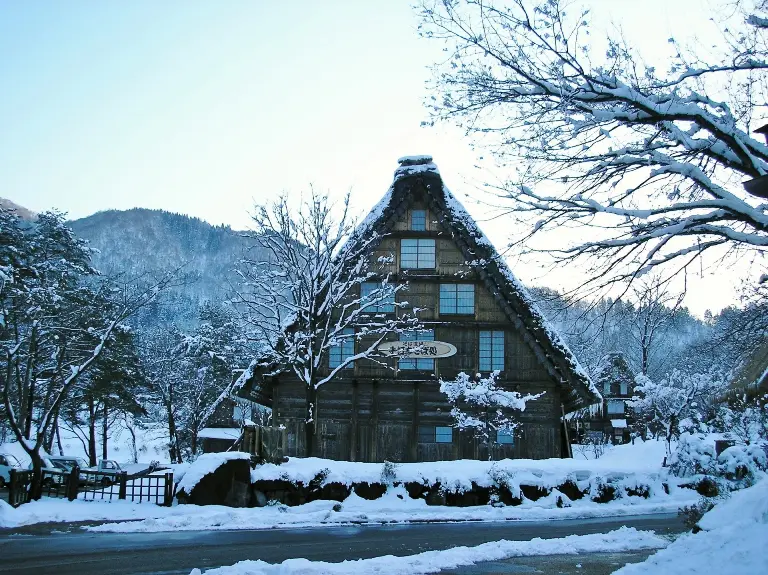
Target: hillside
column 142, row 242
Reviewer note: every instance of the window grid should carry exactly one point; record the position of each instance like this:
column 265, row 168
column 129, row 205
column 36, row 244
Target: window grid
column 417, row 363
column 419, row 220
column 386, row 305
column 426, row 434
column 457, row 299
column 491, row 351
column 616, row 406
column 338, row 353
column 417, row 253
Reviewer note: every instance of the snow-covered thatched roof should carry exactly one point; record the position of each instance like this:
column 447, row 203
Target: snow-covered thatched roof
column 419, row 174
column 513, row 297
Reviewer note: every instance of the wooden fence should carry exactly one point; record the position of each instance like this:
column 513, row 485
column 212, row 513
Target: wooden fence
column 89, row 485
column 265, row 442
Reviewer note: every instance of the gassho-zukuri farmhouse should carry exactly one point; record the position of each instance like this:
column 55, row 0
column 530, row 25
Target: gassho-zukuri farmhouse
column 472, row 302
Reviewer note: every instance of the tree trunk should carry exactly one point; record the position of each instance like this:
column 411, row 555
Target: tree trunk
column 58, row 439
column 36, row 489
column 104, row 429
column 310, row 423
column 91, row 432
column 173, row 448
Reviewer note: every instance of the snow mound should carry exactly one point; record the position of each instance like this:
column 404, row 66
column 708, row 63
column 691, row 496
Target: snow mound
column 205, row 464
column 6, row 515
column 733, row 540
column 624, row 539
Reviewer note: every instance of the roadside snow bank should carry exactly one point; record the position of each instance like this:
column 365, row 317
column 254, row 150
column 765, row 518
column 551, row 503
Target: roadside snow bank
column 61, row 510
column 624, row 539
column 733, row 541
column 395, row 506
column 205, row 464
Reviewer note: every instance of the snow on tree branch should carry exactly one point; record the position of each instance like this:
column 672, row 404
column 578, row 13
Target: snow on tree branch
column 652, row 160
column 484, row 408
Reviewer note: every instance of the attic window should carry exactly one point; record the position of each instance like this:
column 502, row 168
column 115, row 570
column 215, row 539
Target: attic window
column 457, row 299
column 419, row 220
column 491, row 351
column 417, row 254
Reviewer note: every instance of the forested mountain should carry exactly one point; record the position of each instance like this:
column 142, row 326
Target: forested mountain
column 146, row 243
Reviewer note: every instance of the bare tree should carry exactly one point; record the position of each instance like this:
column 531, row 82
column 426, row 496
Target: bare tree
column 307, row 303
column 647, row 163
column 655, row 310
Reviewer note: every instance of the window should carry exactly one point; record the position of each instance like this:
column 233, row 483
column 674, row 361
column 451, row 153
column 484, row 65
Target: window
column 346, row 348
column 419, row 220
column 505, row 437
column 457, row 299
column 417, row 254
column 385, row 297
column 443, row 435
column 623, row 388
column 430, row 434
column 607, row 388
column 417, row 363
column 491, row 350
column 615, row 406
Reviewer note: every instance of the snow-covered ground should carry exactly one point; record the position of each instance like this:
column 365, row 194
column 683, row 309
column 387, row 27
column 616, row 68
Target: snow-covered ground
column 733, row 541
column 641, row 460
column 624, row 465
column 624, row 539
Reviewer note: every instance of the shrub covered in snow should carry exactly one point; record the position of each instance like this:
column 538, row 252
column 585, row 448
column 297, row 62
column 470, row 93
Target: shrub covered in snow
column 736, row 467
column 742, row 464
column 694, row 456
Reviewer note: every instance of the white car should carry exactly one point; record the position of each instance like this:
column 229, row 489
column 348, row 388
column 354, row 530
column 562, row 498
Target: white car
column 7, row 462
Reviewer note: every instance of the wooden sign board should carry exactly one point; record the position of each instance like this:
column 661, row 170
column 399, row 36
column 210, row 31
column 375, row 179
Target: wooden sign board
column 417, row 349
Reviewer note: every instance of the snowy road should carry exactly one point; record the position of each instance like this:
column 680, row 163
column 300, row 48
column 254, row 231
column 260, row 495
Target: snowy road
column 179, row 552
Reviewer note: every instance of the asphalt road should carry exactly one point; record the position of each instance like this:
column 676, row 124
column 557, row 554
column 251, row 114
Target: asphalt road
column 82, row 553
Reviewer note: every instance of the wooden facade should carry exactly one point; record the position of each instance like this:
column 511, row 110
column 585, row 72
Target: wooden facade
column 377, row 412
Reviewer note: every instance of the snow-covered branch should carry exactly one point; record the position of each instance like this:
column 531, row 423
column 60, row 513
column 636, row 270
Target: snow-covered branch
column 652, row 160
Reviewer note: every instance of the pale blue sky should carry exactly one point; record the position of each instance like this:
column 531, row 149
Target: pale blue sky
column 203, row 107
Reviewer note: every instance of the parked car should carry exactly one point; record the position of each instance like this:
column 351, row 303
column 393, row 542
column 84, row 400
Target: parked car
column 56, row 471
column 7, row 462
column 104, row 472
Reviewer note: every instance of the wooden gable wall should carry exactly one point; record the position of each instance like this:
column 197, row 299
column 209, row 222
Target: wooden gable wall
column 373, row 413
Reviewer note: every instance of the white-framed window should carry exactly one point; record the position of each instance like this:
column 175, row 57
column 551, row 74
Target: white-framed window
column 491, row 351
column 607, row 388
column 340, row 352
column 417, row 363
column 386, row 298
column 419, row 220
column 616, row 406
column 432, row 434
column 417, row 253
column 505, row 437
column 457, row 299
